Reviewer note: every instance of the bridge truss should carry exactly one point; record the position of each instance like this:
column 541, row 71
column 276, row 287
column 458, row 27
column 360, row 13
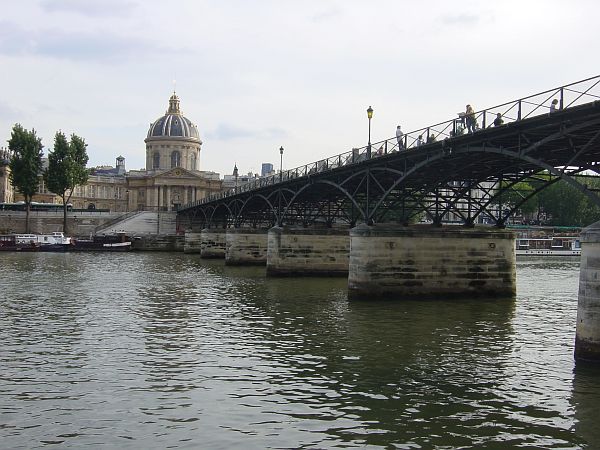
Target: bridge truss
column 454, row 176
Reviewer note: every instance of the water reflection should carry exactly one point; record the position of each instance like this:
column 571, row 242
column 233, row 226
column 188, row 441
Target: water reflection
column 150, row 350
column 585, row 401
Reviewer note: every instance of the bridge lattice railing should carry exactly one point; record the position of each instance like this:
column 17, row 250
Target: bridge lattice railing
column 567, row 96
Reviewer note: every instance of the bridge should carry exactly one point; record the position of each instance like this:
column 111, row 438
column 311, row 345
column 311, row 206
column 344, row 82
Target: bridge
column 402, row 218
column 452, row 176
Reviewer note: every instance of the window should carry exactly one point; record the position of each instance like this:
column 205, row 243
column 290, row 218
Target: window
column 193, row 161
column 156, row 160
column 175, row 159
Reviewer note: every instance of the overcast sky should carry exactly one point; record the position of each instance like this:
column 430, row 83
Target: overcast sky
column 257, row 75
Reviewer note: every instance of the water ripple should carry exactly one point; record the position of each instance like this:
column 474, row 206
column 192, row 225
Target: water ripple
column 166, row 350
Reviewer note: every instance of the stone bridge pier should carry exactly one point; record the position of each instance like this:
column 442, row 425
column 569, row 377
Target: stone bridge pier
column 390, row 261
column 587, row 333
column 212, row 243
column 246, row 246
column 308, row 251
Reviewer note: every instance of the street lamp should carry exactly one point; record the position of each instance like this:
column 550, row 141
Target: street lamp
column 127, row 200
column 370, row 116
column 280, row 163
column 279, row 218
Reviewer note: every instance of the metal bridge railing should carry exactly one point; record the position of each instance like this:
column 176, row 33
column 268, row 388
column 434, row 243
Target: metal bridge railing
column 567, row 96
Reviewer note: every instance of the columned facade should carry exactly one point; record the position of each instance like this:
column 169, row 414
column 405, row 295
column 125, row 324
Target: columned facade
column 172, row 177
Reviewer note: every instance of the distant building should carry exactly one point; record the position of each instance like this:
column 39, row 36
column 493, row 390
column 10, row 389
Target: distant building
column 171, row 179
column 229, row 181
column 6, row 189
column 266, row 169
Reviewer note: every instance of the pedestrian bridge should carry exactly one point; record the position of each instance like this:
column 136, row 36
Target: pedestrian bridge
column 404, row 218
column 454, row 176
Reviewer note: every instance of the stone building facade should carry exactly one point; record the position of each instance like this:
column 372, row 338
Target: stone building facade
column 171, row 179
column 6, row 189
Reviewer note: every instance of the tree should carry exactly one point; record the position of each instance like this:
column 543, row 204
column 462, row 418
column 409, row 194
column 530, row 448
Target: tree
column 25, row 164
column 66, row 168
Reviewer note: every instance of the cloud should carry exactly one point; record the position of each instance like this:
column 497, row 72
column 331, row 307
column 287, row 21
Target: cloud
column 92, row 8
column 226, row 132
column 460, row 19
column 75, row 46
column 10, row 113
column 326, row 15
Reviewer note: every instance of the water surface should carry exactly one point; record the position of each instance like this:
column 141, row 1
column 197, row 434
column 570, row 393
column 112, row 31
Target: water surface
column 151, row 350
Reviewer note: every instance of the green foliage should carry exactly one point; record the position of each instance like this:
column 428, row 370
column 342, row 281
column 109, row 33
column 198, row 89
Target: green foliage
column 66, row 165
column 567, row 206
column 560, row 203
column 66, row 168
column 517, row 194
column 26, row 162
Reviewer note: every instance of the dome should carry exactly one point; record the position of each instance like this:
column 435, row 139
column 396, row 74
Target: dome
column 173, row 124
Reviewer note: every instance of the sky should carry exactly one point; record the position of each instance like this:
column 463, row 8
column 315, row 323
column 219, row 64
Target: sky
column 258, row 75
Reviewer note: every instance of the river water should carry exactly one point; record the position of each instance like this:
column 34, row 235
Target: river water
column 151, row 350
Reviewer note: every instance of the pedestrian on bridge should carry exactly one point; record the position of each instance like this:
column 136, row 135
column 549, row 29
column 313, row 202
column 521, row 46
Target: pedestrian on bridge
column 399, row 137
column 553, row 106
column 419, row 141
column 470, row 119
column 498, row 120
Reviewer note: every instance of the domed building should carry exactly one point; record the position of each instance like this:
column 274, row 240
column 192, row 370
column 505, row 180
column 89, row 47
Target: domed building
column 173, row 141
column 172, row 177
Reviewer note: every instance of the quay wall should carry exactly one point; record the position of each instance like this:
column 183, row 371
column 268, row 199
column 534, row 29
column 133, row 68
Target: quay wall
column 159, row 243
column 80, row 224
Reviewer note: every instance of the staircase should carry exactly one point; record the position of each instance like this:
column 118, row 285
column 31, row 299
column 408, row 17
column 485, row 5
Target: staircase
column 142, row 223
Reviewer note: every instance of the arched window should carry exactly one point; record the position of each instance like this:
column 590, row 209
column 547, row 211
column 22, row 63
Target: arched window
column 193, row 162
column 175, row 159
column 156, row 161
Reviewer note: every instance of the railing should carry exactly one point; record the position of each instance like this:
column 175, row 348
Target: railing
column 566, row 96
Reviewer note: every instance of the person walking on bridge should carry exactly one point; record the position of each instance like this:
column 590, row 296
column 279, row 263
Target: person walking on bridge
column 399, row 137
column 470, row 119
column 498, row 120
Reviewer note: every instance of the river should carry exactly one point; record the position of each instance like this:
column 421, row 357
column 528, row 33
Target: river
column 155, row 350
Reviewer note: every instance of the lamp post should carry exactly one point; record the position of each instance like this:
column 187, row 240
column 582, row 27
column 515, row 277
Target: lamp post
column 280, row 219
column 370, row 116
column 127, row 200
column 280, row 163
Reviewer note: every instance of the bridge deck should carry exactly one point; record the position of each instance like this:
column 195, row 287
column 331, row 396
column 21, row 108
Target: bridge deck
column 436, row 178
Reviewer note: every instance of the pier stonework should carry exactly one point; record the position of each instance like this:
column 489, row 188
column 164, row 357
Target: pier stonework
column 307, row 251
column 193, row 242
column 246, row 247
column 423, row 261
column 212, row 243
column 587, row 334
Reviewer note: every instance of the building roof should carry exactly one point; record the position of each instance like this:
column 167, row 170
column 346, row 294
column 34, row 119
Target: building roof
column 173, row 124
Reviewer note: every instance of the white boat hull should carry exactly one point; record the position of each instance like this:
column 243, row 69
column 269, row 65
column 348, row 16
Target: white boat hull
column 542, row 252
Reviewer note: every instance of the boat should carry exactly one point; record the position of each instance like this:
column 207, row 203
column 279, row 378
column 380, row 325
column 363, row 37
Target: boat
column 18, row 243
column 109, row 243
column 55, row 242
column 548, row 246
